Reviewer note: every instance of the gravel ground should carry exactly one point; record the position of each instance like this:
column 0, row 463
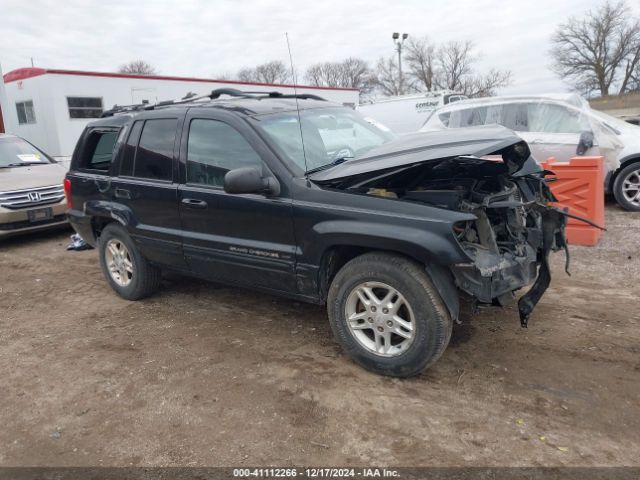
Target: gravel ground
column 205, row 375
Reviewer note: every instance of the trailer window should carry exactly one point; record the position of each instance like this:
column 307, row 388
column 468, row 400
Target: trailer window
column 26, row 113
column 85, row 107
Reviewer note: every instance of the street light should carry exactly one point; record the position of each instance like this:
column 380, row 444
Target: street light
column 399, row 41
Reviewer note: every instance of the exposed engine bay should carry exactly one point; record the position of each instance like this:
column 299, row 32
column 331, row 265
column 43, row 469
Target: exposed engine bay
column 515, row 228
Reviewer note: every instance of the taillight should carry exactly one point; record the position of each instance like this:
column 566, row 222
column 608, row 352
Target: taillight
column 67, row 192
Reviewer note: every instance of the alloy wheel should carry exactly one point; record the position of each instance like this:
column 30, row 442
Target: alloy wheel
column 380, row 319
column 119, row 262
column 631, row 187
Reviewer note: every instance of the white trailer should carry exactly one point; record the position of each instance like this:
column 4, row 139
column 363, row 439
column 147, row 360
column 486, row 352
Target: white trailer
column 407, row 113
column 50, row 107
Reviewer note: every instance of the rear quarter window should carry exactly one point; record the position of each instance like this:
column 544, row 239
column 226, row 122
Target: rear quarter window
column 97, row 154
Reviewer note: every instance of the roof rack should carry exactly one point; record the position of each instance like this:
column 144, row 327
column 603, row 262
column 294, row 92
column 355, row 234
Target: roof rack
column 232, row 92
column 214, row 95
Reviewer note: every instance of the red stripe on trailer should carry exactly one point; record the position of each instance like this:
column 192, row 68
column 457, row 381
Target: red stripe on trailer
column 30, row 72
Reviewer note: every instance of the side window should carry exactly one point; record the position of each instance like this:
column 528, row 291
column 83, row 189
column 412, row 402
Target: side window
column 469, row 117
column 515, row 116
column 98, row 150
column 154, row 156
column 129, row 150
column 213, row 149
column 549, row 118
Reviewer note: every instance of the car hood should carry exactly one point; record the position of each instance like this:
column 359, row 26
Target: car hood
column 423, row 147
column 20, row 178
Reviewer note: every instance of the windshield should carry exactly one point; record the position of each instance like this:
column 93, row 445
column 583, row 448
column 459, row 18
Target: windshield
column 330, row 135
column 16, row 152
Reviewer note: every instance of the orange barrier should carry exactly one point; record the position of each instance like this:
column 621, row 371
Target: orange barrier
column 579, row 185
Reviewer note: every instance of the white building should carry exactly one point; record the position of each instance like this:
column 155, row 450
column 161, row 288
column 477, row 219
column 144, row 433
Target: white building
column 50, row 107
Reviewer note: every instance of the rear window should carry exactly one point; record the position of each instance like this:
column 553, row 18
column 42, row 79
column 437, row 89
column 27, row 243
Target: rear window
column 98, row 150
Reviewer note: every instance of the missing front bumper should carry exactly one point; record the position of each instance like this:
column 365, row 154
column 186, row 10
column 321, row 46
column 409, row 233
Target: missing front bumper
column 494, row 277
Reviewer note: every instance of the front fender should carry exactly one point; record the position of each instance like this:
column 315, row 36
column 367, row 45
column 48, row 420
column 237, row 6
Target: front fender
column 436, row 246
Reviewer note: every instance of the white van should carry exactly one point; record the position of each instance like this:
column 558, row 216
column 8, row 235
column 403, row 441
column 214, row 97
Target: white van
column 407, row 113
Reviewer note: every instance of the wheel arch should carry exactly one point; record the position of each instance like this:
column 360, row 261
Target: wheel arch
column 103, row 213
column 337, row 256
column 625, row 162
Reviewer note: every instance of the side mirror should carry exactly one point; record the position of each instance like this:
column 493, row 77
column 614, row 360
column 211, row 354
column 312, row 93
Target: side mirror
column 585, row 142
column 249, row 180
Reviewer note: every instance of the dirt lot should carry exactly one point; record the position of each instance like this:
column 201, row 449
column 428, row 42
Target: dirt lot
column 207, row 375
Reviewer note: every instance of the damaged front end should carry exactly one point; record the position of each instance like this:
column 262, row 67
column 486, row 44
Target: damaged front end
column 509, row 242
column 492, row 176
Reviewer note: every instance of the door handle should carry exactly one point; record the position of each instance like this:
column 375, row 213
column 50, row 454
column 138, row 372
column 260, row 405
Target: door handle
column 122, row 193
column 194, row 203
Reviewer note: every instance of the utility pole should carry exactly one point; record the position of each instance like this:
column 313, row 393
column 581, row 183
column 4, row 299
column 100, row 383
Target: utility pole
column 399, row 41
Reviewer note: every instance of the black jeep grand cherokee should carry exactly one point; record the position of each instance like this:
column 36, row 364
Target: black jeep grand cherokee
column 304, row 198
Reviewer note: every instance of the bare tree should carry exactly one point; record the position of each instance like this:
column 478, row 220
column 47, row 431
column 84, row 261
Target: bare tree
column 223, row 76
column 270, row 72
column 387, row 77
column 138, row 67
column 431, row 67
column 634, row 81
column 421, row 58
column 349, row 73
column 325, row 74
column 484, row 84
column 591, row 52
column 356, row 73
column 455, row 62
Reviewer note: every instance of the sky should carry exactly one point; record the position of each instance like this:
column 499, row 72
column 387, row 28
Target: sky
column 205, row 38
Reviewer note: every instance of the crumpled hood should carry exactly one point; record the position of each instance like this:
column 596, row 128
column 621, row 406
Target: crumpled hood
column 423, row 147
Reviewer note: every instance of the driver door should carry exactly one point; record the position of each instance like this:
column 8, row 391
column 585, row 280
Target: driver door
column 245, row 239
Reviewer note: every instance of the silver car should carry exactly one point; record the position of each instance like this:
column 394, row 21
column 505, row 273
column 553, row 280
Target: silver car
column 560, row 126
column 31, row 188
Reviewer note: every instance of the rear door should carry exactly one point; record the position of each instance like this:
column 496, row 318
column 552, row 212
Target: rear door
column 245, row 239
column 146, row 186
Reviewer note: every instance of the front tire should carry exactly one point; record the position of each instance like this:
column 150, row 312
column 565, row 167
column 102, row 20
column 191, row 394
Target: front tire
column 626, row 188
column 387, row 315
column 127, row 271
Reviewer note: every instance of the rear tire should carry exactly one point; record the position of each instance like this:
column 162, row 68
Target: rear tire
column 127, row 271
column 399, row 324
column 624, row 188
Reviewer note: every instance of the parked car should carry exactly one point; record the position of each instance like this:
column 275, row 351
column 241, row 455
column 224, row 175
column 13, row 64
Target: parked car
column 387, row 231
column 407, row 113
column 560, row 126
column 31, row 192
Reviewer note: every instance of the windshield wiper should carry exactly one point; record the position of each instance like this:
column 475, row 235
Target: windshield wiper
column 337, row 161
column 23, row 164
